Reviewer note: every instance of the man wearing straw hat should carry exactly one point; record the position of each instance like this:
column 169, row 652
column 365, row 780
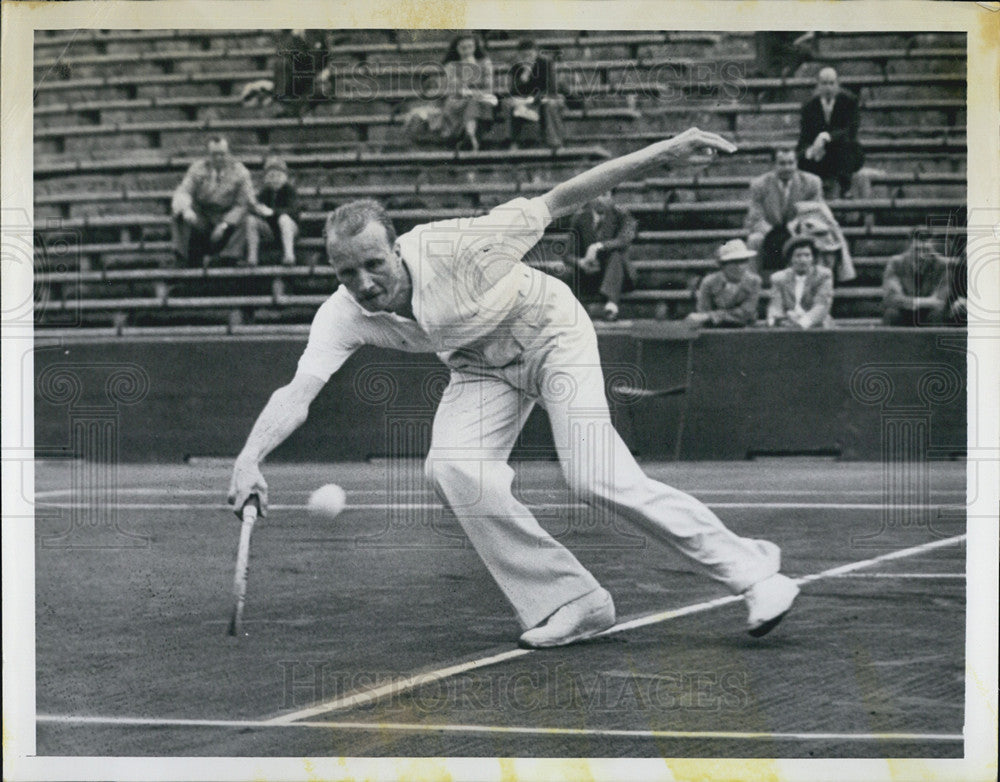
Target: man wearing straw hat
column 728, row 297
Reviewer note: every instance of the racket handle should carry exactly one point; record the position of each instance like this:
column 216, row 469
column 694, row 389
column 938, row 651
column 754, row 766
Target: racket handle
column 249, row 515
column 252, row 505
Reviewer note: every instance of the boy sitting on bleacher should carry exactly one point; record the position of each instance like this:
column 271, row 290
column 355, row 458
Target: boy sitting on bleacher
column 275, row 213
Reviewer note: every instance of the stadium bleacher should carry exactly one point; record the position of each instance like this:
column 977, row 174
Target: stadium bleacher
column 120, row 114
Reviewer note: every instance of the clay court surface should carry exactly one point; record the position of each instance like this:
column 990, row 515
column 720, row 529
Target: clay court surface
column 381, row 633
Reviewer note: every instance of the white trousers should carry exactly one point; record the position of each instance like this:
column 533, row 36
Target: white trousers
column 480, row 415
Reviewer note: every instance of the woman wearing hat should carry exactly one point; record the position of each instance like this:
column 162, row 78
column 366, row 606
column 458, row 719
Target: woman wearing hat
column 276, row 211
column 729, row 296
column 802, row 294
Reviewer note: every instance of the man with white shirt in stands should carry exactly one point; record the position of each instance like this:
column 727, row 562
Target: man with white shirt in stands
column 802, row 294
column 512, row 336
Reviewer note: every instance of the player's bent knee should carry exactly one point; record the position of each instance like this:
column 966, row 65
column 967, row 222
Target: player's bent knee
column 467, row 481
column 444, row 472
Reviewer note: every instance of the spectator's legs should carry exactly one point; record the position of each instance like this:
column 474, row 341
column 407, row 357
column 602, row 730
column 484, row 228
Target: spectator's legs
column 831, row 188
column 514, row 126
column 253, row 239
column 924, row 316
column 588, row 286
column 861, row 188
column 470, row 133
column 552, row 124
column 180, row 236
column 615, row 276
column 288, row 230
column 232, row 247
column 470, row 122
column 189, row 241
column 769, row 255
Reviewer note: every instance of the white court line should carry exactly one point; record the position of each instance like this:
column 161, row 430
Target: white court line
column 409, row 683
column 161, row 491
column 956, row 576
column 423, row 506
column 68, row 719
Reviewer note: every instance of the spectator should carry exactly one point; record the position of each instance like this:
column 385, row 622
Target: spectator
column 828, row 134
column 815, row 220
column 729, row 296
column 469, row 100
column 915, row 286
column 607, row 232
column 209, row 205
column 534, row 104
column 301, row 76
column 773, row 200
column 275, row 213
column 780, row 53
column 802, row 294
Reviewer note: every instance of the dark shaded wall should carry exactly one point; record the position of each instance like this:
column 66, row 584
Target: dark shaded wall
column 844, row 392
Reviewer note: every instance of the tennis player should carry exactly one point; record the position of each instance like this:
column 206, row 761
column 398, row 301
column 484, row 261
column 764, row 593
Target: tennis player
column 512, row 337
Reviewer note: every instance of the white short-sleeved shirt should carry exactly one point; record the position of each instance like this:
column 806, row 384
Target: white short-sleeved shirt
column 467, row 276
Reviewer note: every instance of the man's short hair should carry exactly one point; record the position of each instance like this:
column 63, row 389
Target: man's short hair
column 351, row 218
column 526, row 43
column 781, row 148
column 218, row 139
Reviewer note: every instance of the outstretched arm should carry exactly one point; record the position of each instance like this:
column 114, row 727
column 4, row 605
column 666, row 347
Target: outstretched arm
column 285, row 411
column 569, row 196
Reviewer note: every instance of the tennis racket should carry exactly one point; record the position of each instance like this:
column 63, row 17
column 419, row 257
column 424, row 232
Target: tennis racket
column 249, row 516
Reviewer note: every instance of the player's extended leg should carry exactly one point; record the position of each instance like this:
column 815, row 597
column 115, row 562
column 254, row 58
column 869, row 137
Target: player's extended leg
column 474, row 430
column 602, row 471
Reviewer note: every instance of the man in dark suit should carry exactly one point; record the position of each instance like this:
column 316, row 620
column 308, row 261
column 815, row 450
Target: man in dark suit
column 773, row 197
column 828, row 133
column 534, row 101
column 603, row 233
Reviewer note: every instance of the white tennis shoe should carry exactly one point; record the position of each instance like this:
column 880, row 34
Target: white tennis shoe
column 584, row 618
column 769, row 600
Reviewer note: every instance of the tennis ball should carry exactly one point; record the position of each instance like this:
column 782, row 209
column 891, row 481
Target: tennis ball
column 327, row 501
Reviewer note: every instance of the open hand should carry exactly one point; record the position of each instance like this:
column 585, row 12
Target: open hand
column 694, row 142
